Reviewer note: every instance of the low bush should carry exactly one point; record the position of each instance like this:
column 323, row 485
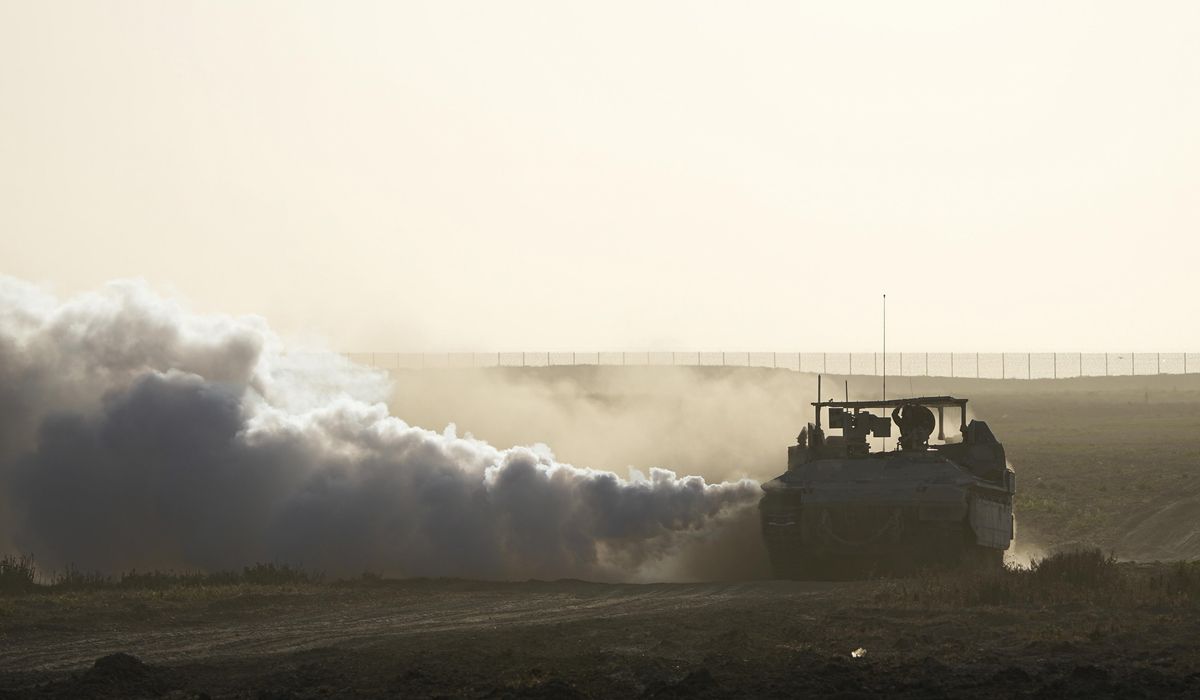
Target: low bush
column 1180, row 579
column 272, row 575
column 1080, row 567
column 72, row 579
column 1083, row 575
column 19, row 575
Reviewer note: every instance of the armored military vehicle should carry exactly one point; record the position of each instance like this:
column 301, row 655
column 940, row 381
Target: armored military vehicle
column 844, row 511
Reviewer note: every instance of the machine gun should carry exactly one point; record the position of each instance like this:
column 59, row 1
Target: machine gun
column 978, row 449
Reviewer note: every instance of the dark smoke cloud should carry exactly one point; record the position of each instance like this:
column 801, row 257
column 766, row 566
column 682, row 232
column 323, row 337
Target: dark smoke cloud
column 136, row 434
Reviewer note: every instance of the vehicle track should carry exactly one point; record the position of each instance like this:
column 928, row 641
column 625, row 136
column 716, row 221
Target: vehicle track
column 312, row 621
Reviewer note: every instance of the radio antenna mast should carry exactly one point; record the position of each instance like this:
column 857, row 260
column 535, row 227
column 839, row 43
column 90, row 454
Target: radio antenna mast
column 885, row 347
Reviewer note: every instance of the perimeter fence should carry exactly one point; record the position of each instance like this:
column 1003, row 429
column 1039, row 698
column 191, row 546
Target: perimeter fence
column 1007, row 365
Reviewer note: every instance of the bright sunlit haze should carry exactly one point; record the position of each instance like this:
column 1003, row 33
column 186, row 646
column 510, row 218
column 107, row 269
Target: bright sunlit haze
column 666, row 175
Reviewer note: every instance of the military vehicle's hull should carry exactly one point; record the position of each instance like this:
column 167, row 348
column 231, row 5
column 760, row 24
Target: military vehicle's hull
column 890, row 514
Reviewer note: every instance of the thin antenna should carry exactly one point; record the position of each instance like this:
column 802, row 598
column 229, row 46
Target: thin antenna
column 885, row 347
column 818, row 416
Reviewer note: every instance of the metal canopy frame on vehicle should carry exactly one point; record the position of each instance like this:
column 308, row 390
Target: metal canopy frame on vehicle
column 938, row 402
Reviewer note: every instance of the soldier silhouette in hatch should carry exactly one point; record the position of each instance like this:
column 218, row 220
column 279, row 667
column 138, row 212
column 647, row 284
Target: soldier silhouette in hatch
column 916, row 425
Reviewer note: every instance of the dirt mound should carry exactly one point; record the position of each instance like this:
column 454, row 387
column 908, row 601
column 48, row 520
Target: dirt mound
column 118, row 675
column 118, row 667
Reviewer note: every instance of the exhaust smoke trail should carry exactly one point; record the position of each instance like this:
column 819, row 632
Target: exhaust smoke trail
column 136, row 434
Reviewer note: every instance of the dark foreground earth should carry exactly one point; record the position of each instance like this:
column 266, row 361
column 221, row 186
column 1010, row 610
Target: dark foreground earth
column 576, row 639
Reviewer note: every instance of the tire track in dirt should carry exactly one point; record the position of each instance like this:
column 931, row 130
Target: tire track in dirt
column 1167, row 528
column 312, row 622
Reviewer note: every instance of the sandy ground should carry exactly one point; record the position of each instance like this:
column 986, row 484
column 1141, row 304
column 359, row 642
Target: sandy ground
column 570, row 639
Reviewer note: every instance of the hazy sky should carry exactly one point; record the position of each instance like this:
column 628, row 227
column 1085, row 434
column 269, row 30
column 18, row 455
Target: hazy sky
column 607, row 175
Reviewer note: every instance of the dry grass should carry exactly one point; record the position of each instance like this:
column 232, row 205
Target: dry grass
column 1180, row 579
column 1086, row 576
column 20, row 575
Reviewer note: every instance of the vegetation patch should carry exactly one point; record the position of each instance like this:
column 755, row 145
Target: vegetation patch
column 1086, row 576
column 20, row 575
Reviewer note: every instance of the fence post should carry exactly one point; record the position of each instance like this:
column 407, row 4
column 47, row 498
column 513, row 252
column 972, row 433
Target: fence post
column 952, row 365
column 1029, row 365
column 926, row 364
column 824, row 363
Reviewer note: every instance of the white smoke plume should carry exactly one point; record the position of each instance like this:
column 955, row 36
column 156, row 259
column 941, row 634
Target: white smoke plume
column 134, row 434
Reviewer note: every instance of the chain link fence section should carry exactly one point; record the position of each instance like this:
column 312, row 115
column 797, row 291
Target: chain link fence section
column 1008, row 365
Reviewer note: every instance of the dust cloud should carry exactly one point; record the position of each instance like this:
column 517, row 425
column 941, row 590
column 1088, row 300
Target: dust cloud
column 719, row 423
column 134, row 433
column 724, row 424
